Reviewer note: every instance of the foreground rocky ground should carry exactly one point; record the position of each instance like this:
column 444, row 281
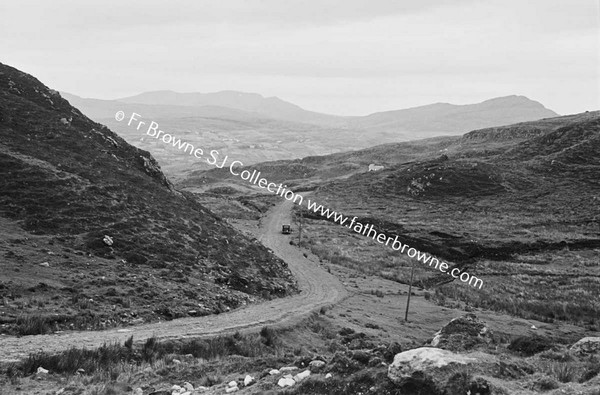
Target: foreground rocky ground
column 466, row 356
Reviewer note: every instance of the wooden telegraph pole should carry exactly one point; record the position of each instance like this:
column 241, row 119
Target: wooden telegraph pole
column 412, row 273
column 300, row 227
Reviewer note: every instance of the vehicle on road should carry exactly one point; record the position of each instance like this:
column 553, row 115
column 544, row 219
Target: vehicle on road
column 286, row 229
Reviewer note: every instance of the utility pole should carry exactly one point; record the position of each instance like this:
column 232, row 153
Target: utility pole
column 412, row 273
column 300, row 226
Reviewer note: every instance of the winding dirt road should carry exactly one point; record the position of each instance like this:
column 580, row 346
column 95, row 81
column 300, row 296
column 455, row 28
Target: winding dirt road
column 318, row 288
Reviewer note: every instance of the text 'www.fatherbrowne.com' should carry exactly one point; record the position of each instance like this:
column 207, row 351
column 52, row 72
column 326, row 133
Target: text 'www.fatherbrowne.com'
column 214, row 158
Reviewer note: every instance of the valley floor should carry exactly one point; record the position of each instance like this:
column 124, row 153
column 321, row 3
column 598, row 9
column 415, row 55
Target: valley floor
column 334, row 299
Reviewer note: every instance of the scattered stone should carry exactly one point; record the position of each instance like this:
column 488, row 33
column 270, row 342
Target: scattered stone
column 176, row 361
column 60, row 391
column 232, row 383
column 175, row 387
column 188, row 386
column 316, row 366
column 163, row 392
column 248, row 380
column 138, row 391
column 185, row 393
column 376, row 361
column 426, row 368
column 273, row 372
column 288, row 368
column 45, row 264
column 201, row 388
column 302, row 375
column 587, row 346
column 286, row 382
column 302, row 362
column 231, row 389
column 108, row 240
column 328, row 376
column 41, row 370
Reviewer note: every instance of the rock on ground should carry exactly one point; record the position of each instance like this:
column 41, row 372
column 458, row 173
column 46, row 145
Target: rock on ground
column 302, row 375
column 286, row 382
column 462, row 333
column 316, row 366
column 427, row 369
column 587, row 346
column 248, row 380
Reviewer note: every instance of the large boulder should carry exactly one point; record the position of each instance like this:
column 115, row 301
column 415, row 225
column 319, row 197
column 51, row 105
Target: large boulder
column 462, row 333
column 587, row 346
column 433, row 371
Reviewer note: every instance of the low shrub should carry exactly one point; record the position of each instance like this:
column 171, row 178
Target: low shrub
column 530, row 345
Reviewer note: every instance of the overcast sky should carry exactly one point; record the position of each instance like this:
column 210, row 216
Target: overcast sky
column 349, row 57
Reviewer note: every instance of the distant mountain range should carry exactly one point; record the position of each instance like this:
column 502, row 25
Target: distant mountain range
column 253, row 103
column 256, row 129
column 439, row 116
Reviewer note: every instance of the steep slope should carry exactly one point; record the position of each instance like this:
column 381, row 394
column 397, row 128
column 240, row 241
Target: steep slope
column 66, row 183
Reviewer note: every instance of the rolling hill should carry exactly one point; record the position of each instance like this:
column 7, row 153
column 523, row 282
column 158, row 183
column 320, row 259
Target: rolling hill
column 255, row 129
column 266, row 107
column 444, row 118
column 488, row 194
column 517, row 206
column 481, row 143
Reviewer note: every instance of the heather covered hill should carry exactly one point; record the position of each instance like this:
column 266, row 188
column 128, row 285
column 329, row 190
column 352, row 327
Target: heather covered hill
column 66, row 183
column 518, row 206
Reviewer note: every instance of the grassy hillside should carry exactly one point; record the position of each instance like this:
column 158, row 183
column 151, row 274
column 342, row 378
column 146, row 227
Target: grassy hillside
column 521, row 203
column 65, row 183
column 518, row 206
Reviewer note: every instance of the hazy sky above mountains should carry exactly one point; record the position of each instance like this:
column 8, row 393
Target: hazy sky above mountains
column 349, row 57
